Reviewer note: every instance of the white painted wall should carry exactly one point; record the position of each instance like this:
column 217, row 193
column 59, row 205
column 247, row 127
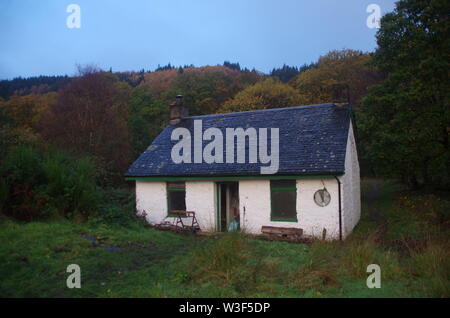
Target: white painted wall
column 151, row 198
column 254, row 205
column 313, row 219
column 200, row 198
column 351, row 194
column 254, row 199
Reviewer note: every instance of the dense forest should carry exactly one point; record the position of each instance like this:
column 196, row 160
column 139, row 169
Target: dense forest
column 65, row 142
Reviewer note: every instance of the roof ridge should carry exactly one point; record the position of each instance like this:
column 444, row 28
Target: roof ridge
column 260, row 110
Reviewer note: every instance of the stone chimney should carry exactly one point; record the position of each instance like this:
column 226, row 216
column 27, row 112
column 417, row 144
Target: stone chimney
column 340, row 94
column 178, row 110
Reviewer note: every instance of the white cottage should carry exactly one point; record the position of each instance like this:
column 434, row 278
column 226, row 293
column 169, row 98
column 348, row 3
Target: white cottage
column 293, row 167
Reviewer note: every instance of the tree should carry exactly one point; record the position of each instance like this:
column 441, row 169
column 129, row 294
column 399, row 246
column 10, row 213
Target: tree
column 233, row 66
column 164, row 68
column 270, row 93
column 37, row 85
column 348, row 66
column 10, row 133
column 28, row 110
column 284, row 73
column 405, row 120
column 147, row 117
column 90, row 117
column 206, row 88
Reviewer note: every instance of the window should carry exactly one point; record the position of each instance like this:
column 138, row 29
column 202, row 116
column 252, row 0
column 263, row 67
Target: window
column 176, row 196
column 283, row 198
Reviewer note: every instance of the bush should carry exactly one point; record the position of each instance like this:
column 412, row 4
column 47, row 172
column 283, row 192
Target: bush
column 44, row 184
column 70, row 185
column 23, row 165
column 117, row 207
column 22, row 173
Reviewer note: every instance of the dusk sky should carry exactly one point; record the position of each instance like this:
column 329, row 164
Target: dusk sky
column 140, row 34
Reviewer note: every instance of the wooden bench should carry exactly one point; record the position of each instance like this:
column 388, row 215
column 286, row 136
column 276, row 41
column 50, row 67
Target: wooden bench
column 287, row 232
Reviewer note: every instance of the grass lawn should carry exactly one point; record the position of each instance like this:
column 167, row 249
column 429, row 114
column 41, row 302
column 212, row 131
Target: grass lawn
column 405, row 233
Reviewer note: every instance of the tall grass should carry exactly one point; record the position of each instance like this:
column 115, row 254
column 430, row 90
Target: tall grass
column 319, row 271
column 331, row 262
column 221, row 258
column 432, row 265
column 230, row 261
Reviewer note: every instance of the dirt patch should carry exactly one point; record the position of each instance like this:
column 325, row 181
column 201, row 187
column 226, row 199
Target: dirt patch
column 101, row 242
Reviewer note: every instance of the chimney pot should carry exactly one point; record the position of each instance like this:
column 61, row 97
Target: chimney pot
column 178, row 110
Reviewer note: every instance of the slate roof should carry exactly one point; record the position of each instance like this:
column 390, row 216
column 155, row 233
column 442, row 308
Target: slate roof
column 313, row 141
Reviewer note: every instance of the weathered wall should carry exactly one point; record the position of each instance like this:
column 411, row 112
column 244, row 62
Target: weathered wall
column 313, row 219
column 254, row 201
column 151, row 198
column 200, row 198
column 254, row 204
column 351, row 194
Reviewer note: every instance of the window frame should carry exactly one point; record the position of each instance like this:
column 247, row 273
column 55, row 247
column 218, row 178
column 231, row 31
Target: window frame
column 169, row 190
column 280, row 189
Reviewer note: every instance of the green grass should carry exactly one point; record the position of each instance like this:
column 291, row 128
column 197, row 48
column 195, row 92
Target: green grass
column 406, row 235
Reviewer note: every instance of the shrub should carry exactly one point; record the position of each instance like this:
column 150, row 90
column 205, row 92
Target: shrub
column 117, row 207
column 22, row 173
column 22, row 165
column 70, row 185
column 43, row 184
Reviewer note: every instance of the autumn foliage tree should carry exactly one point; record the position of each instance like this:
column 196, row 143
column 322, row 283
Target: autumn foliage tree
column 337, row 66
column 28, row 110
column 205, row 89
column 270, row 93
column 90, row 117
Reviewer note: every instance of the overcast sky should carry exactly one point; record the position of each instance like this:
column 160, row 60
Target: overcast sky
column 140, row 34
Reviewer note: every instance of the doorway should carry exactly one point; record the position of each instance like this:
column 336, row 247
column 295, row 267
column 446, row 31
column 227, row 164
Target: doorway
column 227, row 206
